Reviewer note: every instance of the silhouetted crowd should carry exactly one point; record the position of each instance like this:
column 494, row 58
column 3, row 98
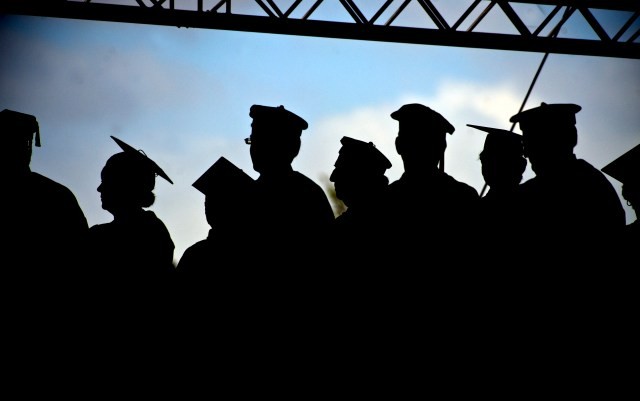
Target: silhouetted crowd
column 425, row 228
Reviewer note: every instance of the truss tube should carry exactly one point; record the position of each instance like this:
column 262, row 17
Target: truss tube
column 620, row 5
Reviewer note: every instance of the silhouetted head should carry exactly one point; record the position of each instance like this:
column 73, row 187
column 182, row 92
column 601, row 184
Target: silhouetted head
column 421, row 136
column 549, row 134
column 626, row 169
column 18, row 130
column 228, row 192
column 128, row 179
column 359, row 171
column 502, row 157
column 275, row 137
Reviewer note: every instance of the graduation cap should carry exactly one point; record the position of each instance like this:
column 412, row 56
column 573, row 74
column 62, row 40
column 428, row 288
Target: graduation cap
column 140, row 156
column 21, row 124
column 278, row 117
column 361, row 156
column 547, row 115
column 419, row 116
column 500, row 141
column 224, row 177
column 625, row 168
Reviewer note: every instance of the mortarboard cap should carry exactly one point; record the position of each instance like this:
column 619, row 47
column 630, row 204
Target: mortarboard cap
column 500, row 140
column 128, row 149
column 278, row 116
column 20, row 123
column 547, row 115
column 357, row 154
column 625, row 168
column 223, row 176
column 421, row 116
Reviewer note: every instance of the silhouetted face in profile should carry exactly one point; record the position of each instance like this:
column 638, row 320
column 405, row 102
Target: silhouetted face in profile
column 349, row 185
column 18, row 130
column 626, row 169
column 228, row 191
column 547, row 147
column 549, row 135
column 275, row 138
column 502, row 160
column 354, row 186
column 421, row 139
column 228, row 204
column 17, row 157
column 358, row 174
column 631, row 193
column 127, row 184
column 227, row 209
column 272, row 148
column 420, row 147
column 501, row 171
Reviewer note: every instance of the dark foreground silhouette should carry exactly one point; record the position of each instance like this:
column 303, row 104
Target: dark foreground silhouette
column 432, row 215
column 223, row 256
column 570, row 210
column 135, row 246
column 292, row 214
column 44, row 226
column 360, row 182
column 626, row 169
column 499, row 218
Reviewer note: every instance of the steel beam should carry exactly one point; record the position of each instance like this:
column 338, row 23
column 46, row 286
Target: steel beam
column 268, row 18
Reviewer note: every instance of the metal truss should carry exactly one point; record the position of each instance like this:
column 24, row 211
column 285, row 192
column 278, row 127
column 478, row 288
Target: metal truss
column 472, row 24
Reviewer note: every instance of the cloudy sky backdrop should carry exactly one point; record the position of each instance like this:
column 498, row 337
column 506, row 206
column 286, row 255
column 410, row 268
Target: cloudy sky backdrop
column 182, row 95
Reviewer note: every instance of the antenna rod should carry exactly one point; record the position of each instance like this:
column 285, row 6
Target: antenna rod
column 565, row 16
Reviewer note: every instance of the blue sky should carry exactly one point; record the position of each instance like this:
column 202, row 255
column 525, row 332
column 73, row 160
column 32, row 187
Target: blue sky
column 183, row 95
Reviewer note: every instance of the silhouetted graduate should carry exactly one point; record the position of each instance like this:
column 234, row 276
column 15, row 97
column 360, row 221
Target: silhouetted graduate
column 293, row 214
column 229, row 196
column 503, row 164
column 432, row 213
column 570, row 207
column 136, row 245
column 626, row 169
column 622, row 297
column 360, row 182
column 44, row 226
